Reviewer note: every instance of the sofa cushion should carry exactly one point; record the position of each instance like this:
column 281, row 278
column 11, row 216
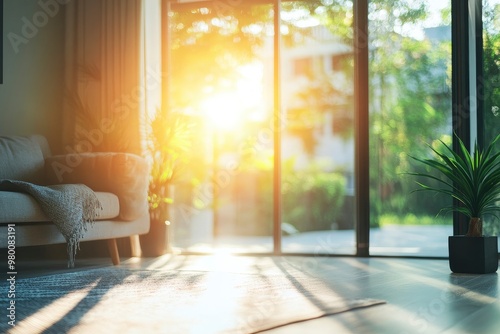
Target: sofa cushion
column 20, row 207
column 22, row 158
column 123, row 174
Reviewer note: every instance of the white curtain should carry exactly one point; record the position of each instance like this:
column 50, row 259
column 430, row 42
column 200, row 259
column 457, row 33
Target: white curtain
column 105, row 96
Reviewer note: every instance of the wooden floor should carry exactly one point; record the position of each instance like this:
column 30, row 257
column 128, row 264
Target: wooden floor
column 422, row 296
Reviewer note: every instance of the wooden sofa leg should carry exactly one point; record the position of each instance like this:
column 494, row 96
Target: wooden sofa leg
column 135, row 246
column 113, row 251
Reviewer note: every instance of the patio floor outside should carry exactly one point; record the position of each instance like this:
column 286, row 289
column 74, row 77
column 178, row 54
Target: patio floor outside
column 392, row 240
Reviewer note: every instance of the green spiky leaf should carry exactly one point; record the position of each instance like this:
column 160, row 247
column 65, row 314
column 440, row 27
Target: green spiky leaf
column 472, row 179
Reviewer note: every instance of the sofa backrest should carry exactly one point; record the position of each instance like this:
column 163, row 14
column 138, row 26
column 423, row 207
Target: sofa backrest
column 23, row 158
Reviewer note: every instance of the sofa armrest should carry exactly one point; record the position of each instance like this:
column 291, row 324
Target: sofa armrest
column 123, row 174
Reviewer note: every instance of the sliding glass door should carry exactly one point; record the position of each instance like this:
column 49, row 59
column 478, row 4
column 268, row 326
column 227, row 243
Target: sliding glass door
column 222, row 72
column 273, row 93
column 220, row 68
column 410, row 108
column 489, row 86
column 317, row 151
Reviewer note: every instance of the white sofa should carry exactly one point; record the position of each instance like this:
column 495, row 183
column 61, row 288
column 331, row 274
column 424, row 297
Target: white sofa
column 120, row 181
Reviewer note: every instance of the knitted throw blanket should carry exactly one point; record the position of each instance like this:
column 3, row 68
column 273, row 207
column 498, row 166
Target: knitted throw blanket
column 71, row 207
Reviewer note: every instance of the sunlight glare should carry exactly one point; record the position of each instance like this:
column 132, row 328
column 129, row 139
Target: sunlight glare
column 223, row 111
column 229, row 109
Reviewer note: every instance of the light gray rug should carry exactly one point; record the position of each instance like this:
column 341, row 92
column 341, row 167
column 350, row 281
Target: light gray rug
column 121, row 300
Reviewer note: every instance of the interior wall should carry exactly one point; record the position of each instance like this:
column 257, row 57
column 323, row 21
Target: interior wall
column 32, row 90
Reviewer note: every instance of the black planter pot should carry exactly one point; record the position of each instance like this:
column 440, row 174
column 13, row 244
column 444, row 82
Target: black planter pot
column 155, row 242
column 473, row 255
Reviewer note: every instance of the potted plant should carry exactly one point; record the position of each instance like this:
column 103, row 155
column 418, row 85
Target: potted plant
column 168, row 141
column 472, row 179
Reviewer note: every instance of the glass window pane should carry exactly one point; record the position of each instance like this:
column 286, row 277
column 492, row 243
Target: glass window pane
column 489, row 85
column 410, row 107
column 318, row 213
column 221, row 69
